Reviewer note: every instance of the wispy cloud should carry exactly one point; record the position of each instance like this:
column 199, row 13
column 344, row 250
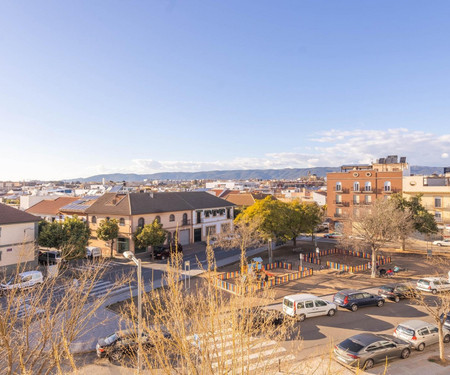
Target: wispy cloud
column 327, row 148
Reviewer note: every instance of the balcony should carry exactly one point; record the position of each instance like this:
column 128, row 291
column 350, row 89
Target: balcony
column 185, row 222
column 367, row 191
column 356, row 203
column 337, row 215
column 341, row 190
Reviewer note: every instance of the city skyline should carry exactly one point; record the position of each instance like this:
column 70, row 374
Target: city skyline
column 168, row 86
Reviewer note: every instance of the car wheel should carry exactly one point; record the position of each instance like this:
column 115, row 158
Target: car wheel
column 368, row 364
column 421, row 347
column 447, row 339
column 301, row 317
column 354, row 308
column 434, row 291
column 405, row 353
column 380, row 303
column 397, row 299
column 331, row 312
column 116, row 355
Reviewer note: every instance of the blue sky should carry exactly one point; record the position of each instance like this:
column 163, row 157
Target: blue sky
column 107, row 86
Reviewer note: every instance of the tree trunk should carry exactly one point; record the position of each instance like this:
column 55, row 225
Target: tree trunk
column 441, row 341
column 295, row 241
column 153, row 253
column 112, row 249
column 403, row 243
column 374, row 263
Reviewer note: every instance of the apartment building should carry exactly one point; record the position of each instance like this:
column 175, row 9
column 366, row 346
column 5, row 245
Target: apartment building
column 435, row 191
column 357, row 186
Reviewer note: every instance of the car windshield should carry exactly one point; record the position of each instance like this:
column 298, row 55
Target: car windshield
column 288, row 303
column 387, row 288
column 423, row 282
column 339, row 295
column 110, row 339
column 351, row 346
column 406, row 331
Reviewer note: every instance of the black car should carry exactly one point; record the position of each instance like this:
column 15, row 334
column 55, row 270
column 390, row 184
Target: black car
column 353, row 299
column 49, row 257
column 165, row 251
column 396, row 292
column 258, row 317
column 122, row 343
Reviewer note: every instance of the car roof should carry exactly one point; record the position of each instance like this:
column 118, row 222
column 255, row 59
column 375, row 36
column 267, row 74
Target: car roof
column 301, row 296
column 415, row 324
column 350, row 291
column 28, row 273
column 432, row 278
column 366, row 338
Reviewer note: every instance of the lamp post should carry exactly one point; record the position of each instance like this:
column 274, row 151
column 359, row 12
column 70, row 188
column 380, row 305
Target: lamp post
column 130, row 255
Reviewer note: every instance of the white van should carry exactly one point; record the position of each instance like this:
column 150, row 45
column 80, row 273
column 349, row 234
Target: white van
column 93, row 252
column 302, row 306
column 23, row 280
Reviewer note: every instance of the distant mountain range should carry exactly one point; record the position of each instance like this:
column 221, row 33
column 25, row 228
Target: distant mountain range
column 247, row 174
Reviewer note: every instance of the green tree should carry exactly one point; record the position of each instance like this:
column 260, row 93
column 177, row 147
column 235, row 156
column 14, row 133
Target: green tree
column 422, row 221
column 108, row 230
column 150, row 235
column 70, row 236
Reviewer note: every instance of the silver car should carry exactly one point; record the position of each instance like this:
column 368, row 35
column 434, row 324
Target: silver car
column 420, row 334
column 366, row 349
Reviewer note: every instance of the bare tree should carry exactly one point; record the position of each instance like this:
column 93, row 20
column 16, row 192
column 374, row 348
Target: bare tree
column 38, row 325
column 379, row 224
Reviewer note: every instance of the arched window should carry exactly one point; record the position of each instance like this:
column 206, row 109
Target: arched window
column 141, row 222
column 122, row 221
column 158, row 219
column 185, row 219
column 356, row 186
column 94, row 220
column 387, row 186
column 172, row 217
column 368, row 186
column 338, row 186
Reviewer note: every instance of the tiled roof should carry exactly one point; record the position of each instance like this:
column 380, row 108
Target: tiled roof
column 246, row 199
column 80, row 205
column 11, row 215
column 145, row 203
column 50, row 207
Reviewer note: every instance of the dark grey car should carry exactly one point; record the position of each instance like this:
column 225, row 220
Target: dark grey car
column 366, row 349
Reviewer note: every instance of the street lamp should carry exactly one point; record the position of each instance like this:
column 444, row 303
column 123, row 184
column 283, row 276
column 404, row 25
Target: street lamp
column 130, row 255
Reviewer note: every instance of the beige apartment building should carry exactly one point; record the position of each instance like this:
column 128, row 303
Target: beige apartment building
column 435, row 191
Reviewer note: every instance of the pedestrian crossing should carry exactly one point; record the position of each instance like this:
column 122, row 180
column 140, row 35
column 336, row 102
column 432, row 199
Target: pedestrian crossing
column 89, row 267
column 104, row 287
column 250, row 354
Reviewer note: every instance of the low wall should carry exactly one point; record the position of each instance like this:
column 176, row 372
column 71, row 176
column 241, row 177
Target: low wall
column 222, row 282
column 315, row 259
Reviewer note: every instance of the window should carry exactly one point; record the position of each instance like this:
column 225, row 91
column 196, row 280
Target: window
column 199, row 217
column 356, row 199
column 141, row 222
column 387, row 186
column 172, row 217
column 320, row 303
column 433, row 329
column 338, row 212
column 368, row 186
column 437, row 202
column 228, row 213
column 367, row 199
column 94, row 220
column 422, row 332
column 300, row 305
column 158, row 219
column 169, row 237
column 123, row 244
column 438, row 216
column 309, row 304
column 211, row 230
column 121, row 221
column 356, row 186
column 366, row 295
column 338, row 198
column 185, row 219
column 338, row 186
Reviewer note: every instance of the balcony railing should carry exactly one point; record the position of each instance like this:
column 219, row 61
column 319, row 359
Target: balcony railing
column 337, row 215
column 186, row 222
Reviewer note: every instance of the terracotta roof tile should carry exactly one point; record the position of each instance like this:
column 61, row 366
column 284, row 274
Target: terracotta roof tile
column 50, row 206
column 11, row 215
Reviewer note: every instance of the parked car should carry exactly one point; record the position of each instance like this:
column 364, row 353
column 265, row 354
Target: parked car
column 446, row 319
column 23, row 280
column 396, row 292
column 442, row 242
column 93, row 252
column 258, row 317
column 49, row 257
column 433, row 284
column 366, row 349
column 164, row 251
column 420, row 334
column 302, row 306
column 121, row 343
column 333, row 235
column 353, row 299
